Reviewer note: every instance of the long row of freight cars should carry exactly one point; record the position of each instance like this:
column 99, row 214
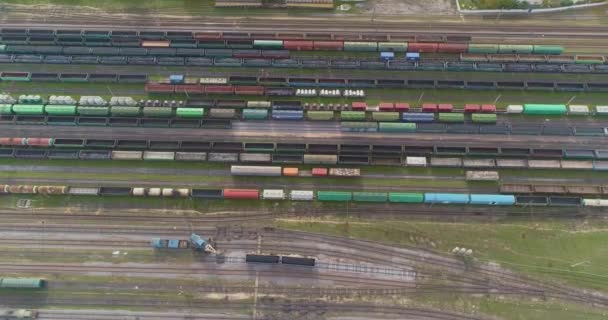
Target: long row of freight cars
column 187, row 149
column 527, row 58
column 396, row 81
column 223, row 35
column 410, row 118
column 429, row 198
column 221, row 48
column 590, row 66
column 383, row 157
column 297, row 45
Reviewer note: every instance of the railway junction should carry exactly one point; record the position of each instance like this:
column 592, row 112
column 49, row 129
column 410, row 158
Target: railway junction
column 306, row 169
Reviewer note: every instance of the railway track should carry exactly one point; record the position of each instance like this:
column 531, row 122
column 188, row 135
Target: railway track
column 379, row 255
column 432, row 259
column 15, row 16
column 285, row 309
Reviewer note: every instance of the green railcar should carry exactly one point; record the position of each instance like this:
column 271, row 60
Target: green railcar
column 399, row 197
column 28, row 109
column 548, row 49
column 392, row 46
column 93, row 111
column 124, row 111
column 370, row 196
column 190, row 112
column 385, row 116
column 545, row 109
column 483, row 48
column 320, row 115
column 6, row 109
column 334, row 196
column 255, row 114
column 483, row 118
column 515, row 48
column 397, row 127
column 360, row 46
column 21, row 283
column 352, row 115
column 451, row 117
column 60, row 110
column 2, row 48
column 158, row 112
column 268, row 44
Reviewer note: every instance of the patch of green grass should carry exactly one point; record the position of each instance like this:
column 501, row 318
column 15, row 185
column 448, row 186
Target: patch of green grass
column 170, row 180
column 172, row 7
column 415, row 97
column 573, row 252
column 512, row 308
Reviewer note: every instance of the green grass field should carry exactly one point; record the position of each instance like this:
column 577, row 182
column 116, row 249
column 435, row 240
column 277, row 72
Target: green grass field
column 415, row 97
column 565, row 251
column 170, row 7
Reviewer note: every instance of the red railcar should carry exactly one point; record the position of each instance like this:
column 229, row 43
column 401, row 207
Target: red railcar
column 488, row 108
column 243, row 194
column 429, row 107
column 328, row 45
column 402, row 107
column 159, row 88
column 39, row 142
column 189, row 88
column 386, row 106
column 219, row 89
column 359, row 106
column 249, row 90
column 301, row 45
column 422, row 47
column 471, row 108
column 319, row 172
column 445, row 107
column 13, row 141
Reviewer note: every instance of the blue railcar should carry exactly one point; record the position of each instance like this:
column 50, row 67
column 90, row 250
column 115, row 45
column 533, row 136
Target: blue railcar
column 417, row 117
column 447, row 198
column 386, row 56
column 176, row 78
column 287, row 114
column 493, row 199
column 412, row 56
column 159, row 243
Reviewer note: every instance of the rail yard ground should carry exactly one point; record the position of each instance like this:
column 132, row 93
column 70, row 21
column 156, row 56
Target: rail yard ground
column 339, row 218
column 501, row 98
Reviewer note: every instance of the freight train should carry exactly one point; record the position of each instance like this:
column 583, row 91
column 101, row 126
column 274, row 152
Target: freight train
column 336, row 196
column 493, row 158
column 239, row 110
column 273, row 49
column 275, row 259
column 40, row 35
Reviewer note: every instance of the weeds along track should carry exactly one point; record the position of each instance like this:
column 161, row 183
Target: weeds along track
column 174, row 19
column 477, row 272
column 285, row 309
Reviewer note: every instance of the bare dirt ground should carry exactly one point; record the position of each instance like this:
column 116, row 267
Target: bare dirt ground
column 394, row 7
